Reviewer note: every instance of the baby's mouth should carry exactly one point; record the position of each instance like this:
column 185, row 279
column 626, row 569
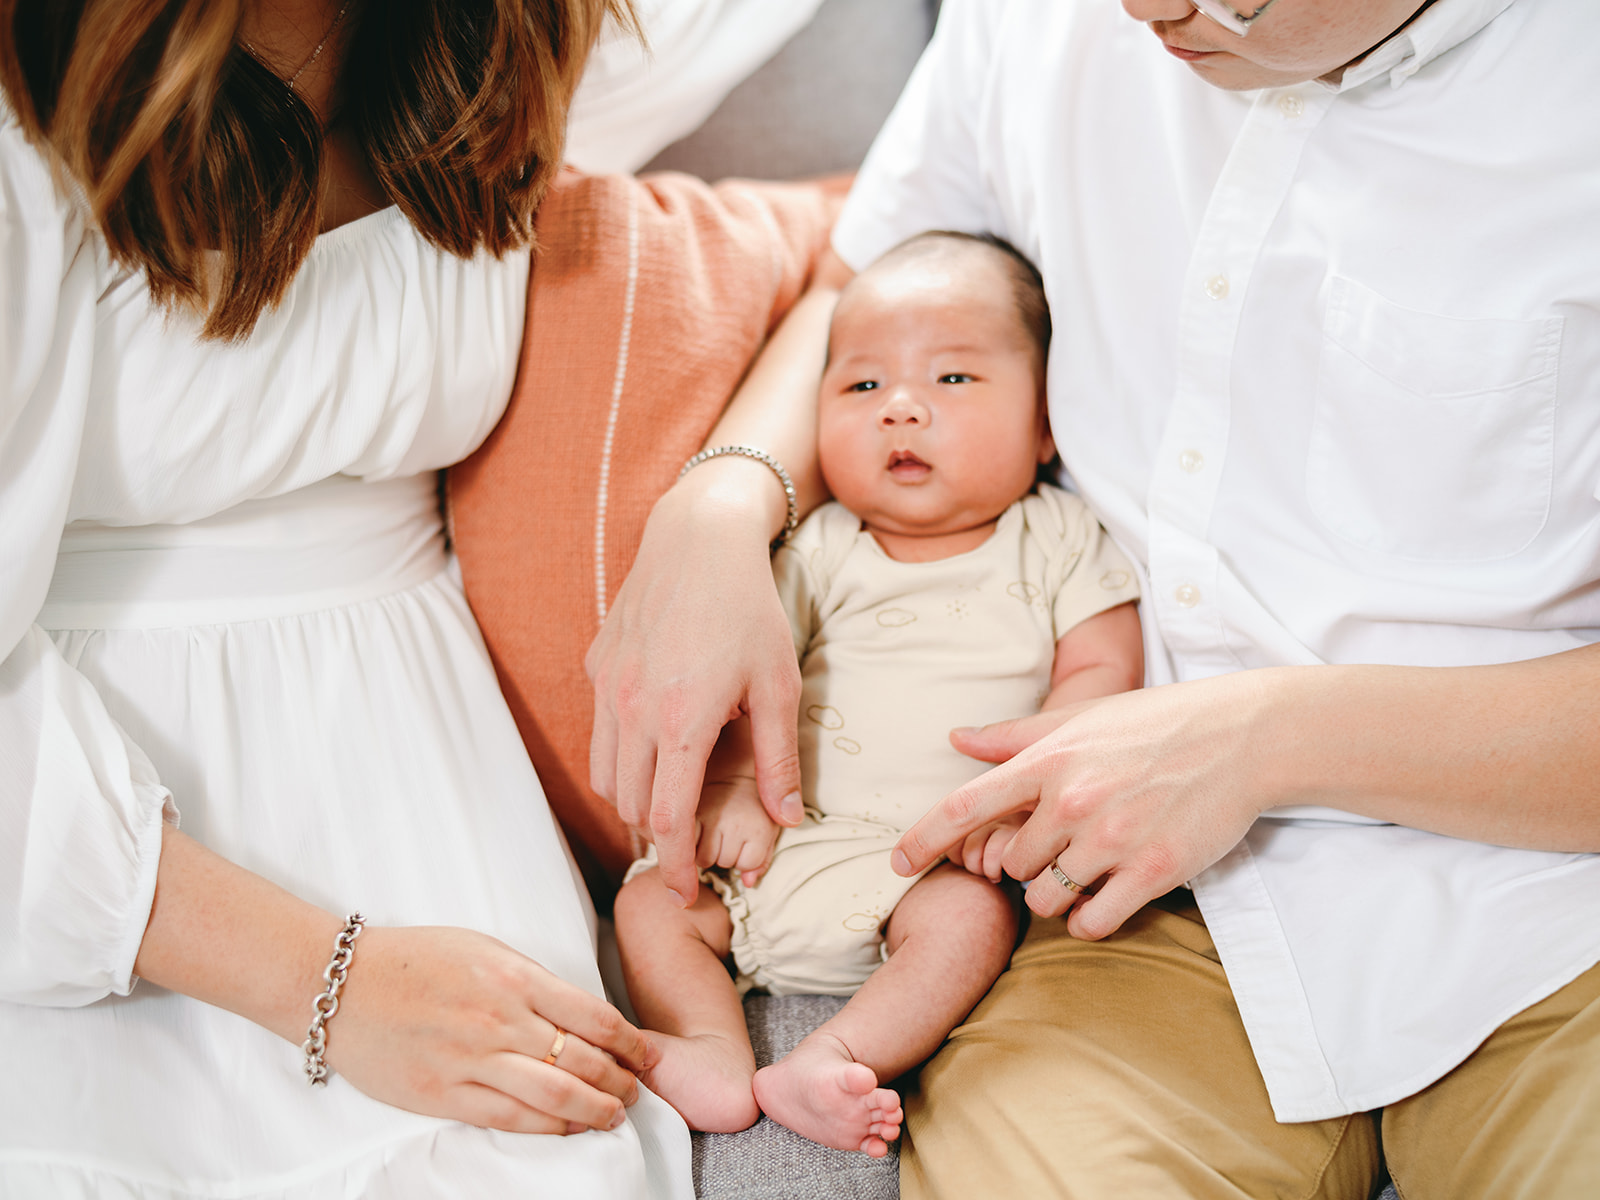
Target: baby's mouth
column 905, row 465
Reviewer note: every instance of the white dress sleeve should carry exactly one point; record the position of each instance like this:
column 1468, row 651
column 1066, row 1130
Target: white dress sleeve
column 925, row 168
column 81, row 810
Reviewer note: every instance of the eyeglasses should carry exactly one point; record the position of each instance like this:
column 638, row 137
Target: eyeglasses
column 1225, row 15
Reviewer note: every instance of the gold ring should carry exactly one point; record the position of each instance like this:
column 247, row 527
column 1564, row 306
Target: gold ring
column 557, row 1046
column 1061, row 878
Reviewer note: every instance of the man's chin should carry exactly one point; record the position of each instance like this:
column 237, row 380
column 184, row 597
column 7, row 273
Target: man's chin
column 1232, row 74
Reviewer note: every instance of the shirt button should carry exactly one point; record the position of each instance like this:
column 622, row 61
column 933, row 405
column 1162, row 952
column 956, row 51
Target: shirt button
column 1186, row 594
column 1191, row 461
column 1217, row 287
column 1291, row 106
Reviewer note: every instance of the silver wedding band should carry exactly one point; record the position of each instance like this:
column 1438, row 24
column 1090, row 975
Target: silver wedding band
column 1061, row 878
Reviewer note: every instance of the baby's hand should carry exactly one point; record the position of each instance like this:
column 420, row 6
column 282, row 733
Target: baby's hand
column 980, row 853
column 734, row 830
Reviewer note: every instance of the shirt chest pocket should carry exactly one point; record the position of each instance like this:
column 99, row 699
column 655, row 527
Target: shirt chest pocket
column 1433, row 437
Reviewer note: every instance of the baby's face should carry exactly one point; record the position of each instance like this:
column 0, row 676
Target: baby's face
column 931, row 415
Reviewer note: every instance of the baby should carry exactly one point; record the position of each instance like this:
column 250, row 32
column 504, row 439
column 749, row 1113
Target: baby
column 940, row 590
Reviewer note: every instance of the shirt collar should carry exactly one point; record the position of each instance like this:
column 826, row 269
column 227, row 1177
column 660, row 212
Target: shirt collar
column 1445, row 25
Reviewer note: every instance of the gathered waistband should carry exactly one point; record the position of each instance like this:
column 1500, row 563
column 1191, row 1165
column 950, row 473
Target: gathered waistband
column 337, row 542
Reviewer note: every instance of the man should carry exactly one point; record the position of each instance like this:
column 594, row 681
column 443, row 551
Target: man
column 1327, row 298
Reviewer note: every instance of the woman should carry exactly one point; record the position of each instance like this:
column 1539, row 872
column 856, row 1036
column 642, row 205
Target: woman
column 262, row 276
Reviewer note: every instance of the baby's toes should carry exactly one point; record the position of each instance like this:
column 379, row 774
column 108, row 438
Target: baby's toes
column 874, row 1147
column 859, row 1080
column 885, row 1105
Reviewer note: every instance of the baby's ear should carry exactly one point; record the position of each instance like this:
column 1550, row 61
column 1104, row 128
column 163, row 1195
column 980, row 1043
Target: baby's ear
column 1047, row 445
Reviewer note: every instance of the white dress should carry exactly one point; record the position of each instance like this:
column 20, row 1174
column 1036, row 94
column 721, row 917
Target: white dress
column 224, row 595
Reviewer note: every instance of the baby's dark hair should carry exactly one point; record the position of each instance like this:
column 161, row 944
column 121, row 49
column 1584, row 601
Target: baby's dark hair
column 1027, row 285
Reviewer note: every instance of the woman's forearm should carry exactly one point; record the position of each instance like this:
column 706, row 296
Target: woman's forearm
column 775, row 409
column 1507, row 754
column 440, row 1021
column 696, row 636
column 230, row 938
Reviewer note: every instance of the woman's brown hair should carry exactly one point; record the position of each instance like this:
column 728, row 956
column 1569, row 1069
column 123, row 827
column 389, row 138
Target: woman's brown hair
column 183, row 143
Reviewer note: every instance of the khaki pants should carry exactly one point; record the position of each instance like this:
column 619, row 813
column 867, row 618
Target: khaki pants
column 1120, row 1070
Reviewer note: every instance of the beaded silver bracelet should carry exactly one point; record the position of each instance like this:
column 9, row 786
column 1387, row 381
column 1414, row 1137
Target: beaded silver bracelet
column 327, row 1003
column 761, row 456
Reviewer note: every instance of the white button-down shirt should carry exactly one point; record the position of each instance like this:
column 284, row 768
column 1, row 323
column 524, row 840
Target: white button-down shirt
column 1327, row 362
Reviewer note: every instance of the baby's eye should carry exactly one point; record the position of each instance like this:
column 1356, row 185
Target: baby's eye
column 866, row 385
column 956, row 377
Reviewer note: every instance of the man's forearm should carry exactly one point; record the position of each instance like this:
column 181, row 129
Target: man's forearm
column 1507, row 754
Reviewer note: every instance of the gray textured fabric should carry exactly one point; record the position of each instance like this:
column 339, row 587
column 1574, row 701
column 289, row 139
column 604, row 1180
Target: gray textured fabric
column 815, row 107
column 769, row 1162
column 1389, row 1193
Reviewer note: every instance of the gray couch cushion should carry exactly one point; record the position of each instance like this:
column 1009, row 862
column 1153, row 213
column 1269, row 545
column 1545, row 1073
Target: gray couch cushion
column 815, row 107
column 769, row 1162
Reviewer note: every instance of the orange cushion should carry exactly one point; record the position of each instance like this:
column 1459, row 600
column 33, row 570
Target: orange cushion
column 648, row 299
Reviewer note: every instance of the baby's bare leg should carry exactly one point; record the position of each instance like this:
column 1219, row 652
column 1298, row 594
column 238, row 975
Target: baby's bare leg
column 672, row 962
column 949, row 939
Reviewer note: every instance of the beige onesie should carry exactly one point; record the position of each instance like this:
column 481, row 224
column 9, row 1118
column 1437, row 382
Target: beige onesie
column 893, row 655
column 892, row 658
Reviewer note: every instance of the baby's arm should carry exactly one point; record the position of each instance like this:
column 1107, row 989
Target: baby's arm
column 734, row 830
column 1096, row 657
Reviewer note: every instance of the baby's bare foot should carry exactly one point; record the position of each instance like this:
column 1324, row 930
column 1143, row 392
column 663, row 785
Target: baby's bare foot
column 707, row 1079
column 823, row 1093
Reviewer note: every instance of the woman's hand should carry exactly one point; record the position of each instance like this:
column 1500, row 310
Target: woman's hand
column 696, row 636
column 452, row 1023
column 695, row 639
column 1137, row 793
column 439, row 1021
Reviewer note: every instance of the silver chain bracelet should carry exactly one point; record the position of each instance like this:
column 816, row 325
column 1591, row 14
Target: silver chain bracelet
column 327, row 1003
column 761, row 456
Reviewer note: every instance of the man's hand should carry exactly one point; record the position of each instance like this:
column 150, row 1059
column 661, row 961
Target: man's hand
column 1131, row 795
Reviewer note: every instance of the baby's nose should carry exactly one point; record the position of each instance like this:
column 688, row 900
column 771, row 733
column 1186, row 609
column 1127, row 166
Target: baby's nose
column 902, row 408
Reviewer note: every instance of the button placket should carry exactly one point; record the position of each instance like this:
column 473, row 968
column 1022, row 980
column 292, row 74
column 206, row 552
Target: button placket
column 1189, row 466
column 1183, row 595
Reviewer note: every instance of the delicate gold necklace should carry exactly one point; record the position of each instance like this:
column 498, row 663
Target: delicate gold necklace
column 315, row 51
